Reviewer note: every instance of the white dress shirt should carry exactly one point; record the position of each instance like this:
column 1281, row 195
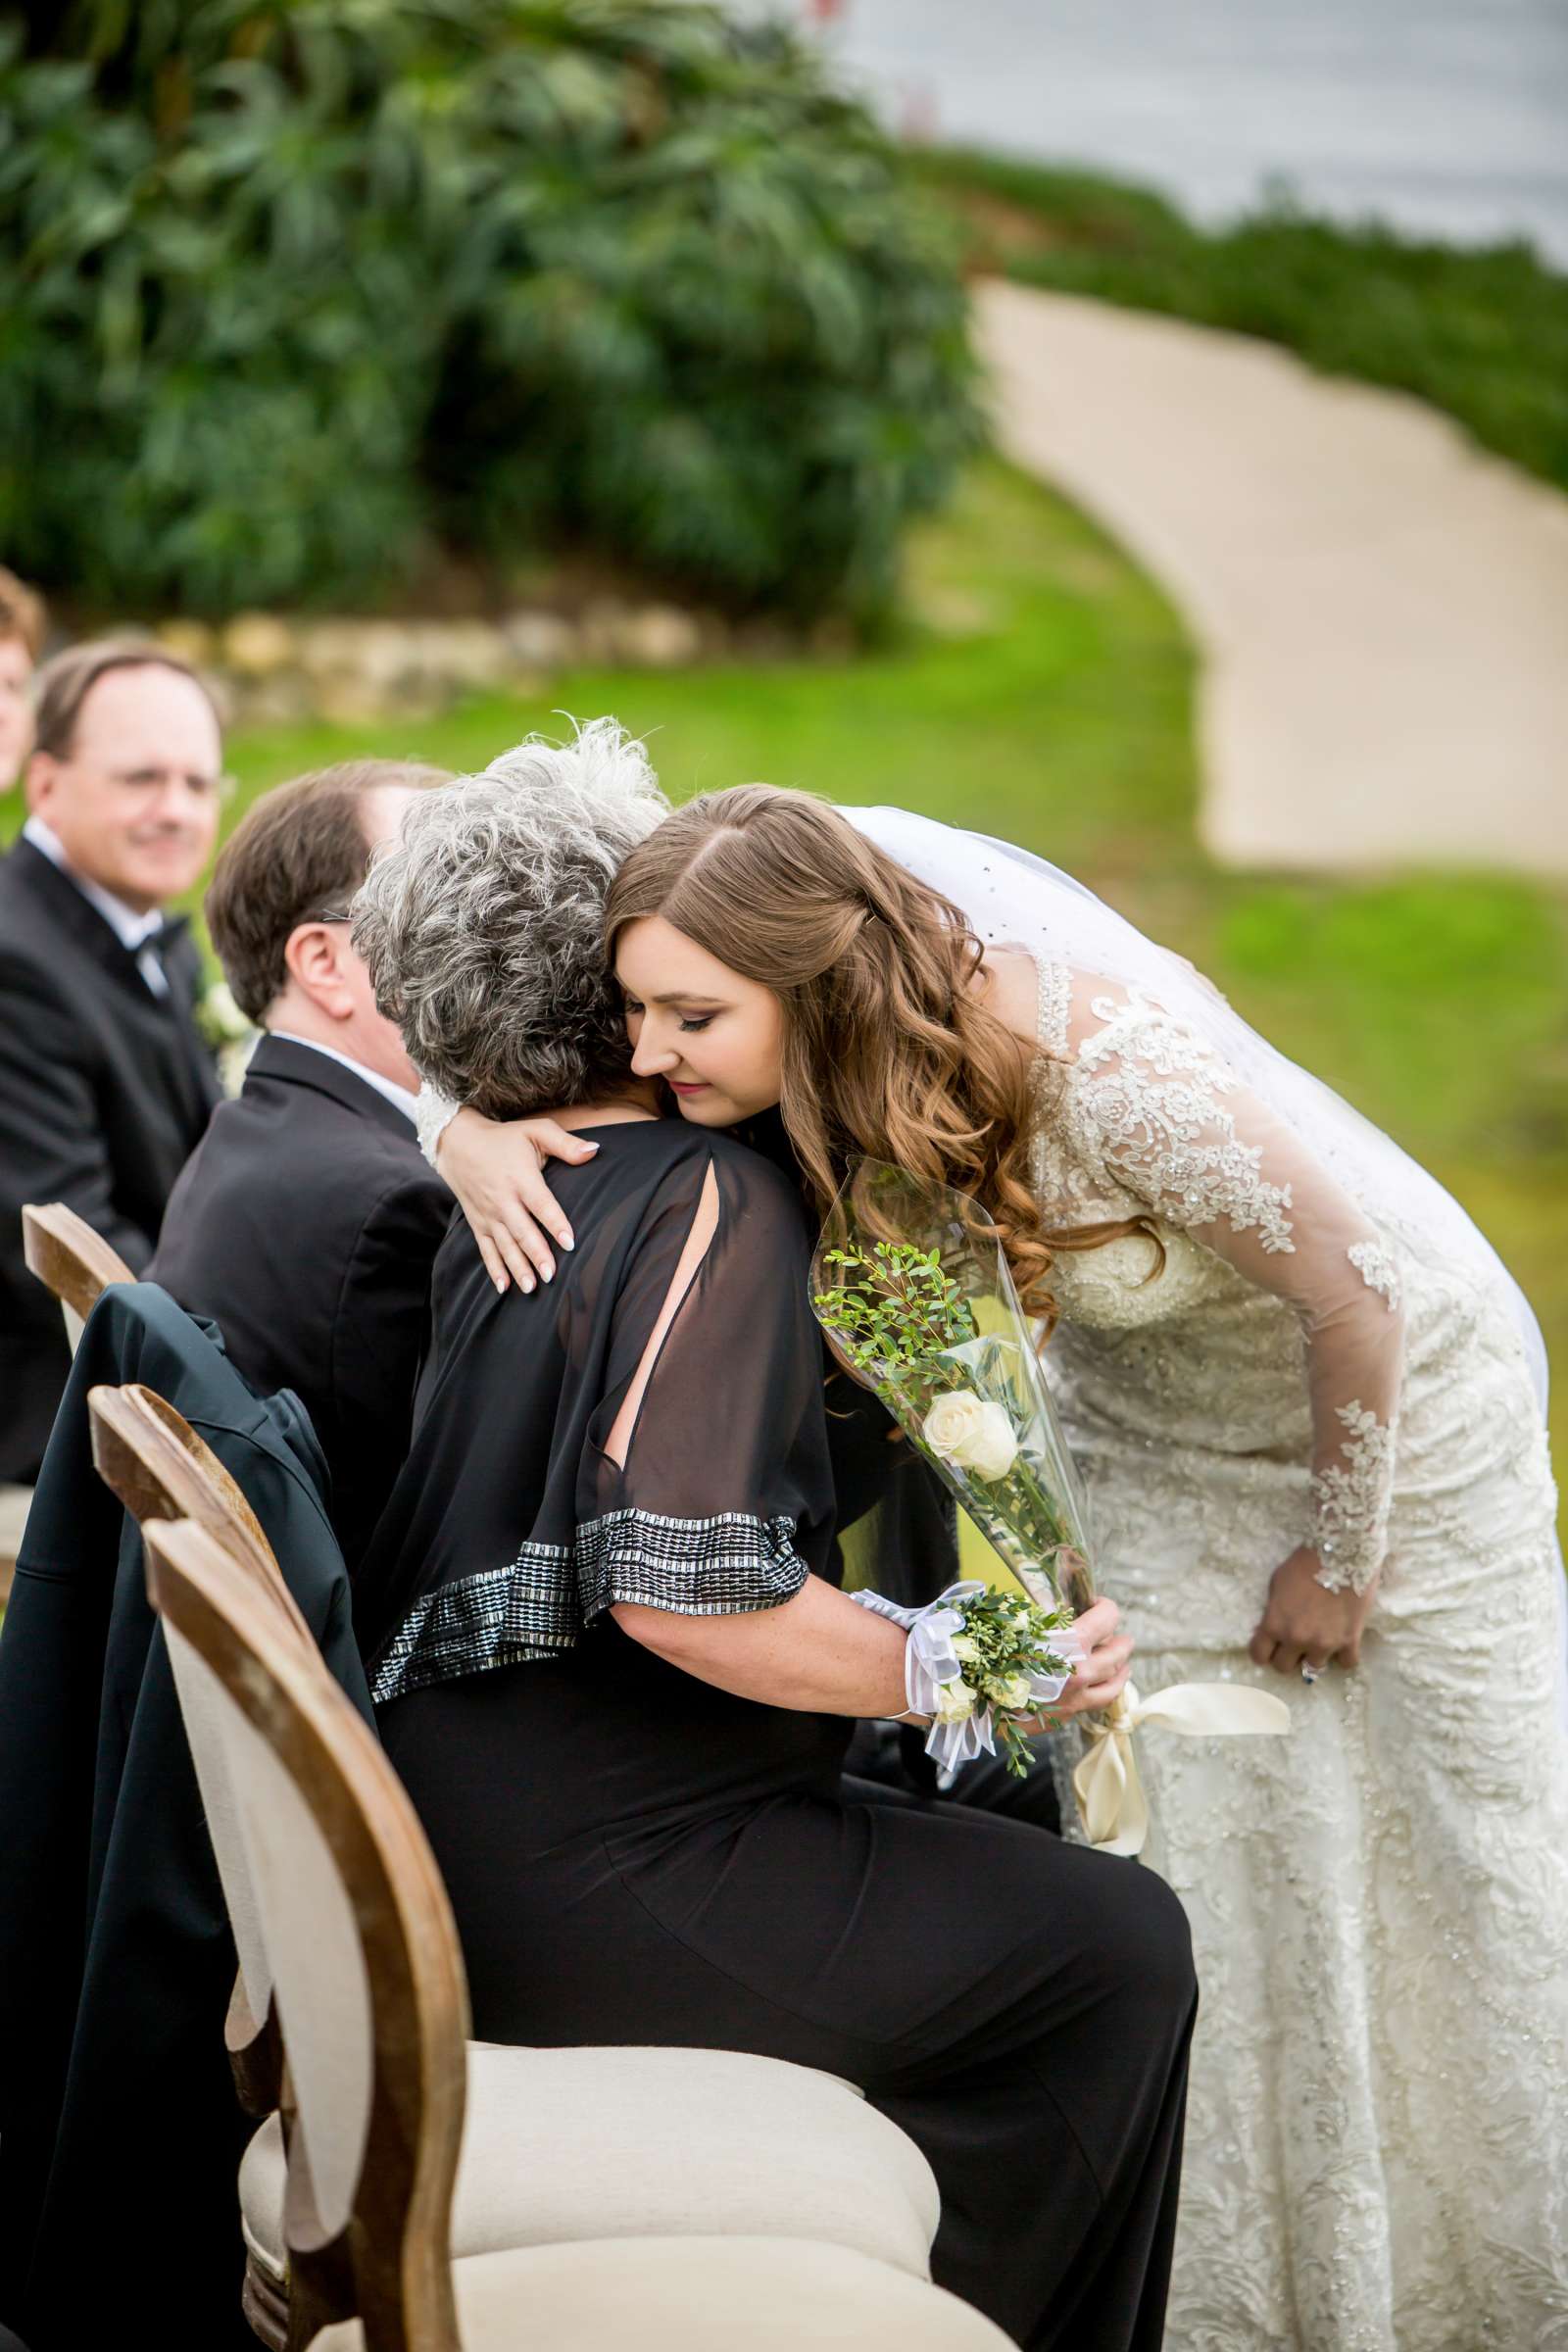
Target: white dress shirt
column 408, row 1103
column 133, row 931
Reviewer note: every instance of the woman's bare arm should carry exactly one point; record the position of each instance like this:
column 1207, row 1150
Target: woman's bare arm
column 818, row 1653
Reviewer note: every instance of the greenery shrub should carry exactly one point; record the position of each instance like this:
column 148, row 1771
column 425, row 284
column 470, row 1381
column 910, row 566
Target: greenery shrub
column 1480, row 332
column 297, row 299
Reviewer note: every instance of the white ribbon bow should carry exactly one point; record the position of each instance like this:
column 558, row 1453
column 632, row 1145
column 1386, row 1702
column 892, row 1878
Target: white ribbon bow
column 1111, row 1803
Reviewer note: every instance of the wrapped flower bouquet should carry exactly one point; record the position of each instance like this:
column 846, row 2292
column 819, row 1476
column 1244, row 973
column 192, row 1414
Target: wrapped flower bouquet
column 918, row 1302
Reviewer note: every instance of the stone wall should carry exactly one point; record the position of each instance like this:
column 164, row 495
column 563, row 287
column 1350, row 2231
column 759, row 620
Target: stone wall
column 283, row 671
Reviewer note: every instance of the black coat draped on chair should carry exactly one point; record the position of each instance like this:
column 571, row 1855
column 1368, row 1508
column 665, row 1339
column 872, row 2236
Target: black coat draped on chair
column 120, row 2131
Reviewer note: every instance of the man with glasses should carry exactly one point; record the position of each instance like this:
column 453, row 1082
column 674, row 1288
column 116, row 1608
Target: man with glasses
column 305, row 1223
column 106, row 1084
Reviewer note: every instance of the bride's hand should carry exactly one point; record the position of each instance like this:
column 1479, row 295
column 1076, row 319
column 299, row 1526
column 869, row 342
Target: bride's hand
column 1103, row 1676
column 496, row 1169
column 1303, row 1621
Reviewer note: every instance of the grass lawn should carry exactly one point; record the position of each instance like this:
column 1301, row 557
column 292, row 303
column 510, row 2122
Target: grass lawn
column 1042, row 689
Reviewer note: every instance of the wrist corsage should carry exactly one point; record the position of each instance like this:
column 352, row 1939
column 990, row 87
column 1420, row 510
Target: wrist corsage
column 980, row 1664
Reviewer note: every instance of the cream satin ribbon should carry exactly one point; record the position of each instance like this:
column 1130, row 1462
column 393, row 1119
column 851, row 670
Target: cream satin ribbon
column 1111, row 1803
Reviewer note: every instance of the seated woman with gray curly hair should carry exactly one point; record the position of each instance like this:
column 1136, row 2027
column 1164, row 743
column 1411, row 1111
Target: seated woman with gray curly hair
column 612, row 1669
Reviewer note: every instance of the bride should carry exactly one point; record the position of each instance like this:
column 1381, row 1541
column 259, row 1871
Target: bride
column 1306, row 1401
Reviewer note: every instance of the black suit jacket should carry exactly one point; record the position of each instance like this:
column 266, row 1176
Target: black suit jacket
column 104, row 1091
column 304, row 1227
column 119, row 2132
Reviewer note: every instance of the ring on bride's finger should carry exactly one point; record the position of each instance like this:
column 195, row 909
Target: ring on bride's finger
column 1309, row 1672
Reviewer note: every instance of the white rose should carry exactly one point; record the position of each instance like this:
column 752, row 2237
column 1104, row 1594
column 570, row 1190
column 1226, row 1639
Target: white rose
column 955, row 1702
column 1016, row 1693
column 972, row 1435
column 964, row 1645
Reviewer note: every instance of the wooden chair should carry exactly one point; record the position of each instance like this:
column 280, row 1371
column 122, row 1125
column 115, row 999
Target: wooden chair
column 14, row 1502
column 370, row 1993
column 75, row 1265
column 532, row 2168
column 355, row 1935
column 157, row 1466
column 71, row 1260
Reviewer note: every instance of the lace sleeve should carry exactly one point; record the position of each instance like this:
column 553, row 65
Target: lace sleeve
column 433, row 1115
column 1172, row 1124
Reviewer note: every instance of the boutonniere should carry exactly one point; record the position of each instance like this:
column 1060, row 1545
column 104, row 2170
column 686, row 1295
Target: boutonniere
column 219, row 1019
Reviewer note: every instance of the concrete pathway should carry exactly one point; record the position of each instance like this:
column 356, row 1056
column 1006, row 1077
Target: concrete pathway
column 1381, row 610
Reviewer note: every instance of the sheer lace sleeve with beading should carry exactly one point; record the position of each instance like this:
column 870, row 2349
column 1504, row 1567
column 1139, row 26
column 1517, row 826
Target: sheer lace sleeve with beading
column 434, row 1113
column 1147, row 1105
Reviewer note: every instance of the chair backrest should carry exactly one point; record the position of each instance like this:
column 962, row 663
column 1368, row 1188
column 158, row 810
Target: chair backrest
column 360, row 1942
column 14, row 1502
column 71, row 1260
column 158, row 1467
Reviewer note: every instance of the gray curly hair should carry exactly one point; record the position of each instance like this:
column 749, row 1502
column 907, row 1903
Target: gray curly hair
column 483, row 925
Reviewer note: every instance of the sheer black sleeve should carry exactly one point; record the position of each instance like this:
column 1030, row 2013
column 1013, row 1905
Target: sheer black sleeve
column 722, row 1500
column 650, row 1428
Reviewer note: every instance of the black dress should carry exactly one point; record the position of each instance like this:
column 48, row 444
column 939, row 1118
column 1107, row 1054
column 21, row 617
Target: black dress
column 635, row 1856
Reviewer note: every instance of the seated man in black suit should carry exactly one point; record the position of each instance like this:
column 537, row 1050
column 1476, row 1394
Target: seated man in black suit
column 305, row 1222
column 105, row 1082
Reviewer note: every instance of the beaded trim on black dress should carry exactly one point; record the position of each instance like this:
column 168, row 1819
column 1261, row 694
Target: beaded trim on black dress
column 539, row 1604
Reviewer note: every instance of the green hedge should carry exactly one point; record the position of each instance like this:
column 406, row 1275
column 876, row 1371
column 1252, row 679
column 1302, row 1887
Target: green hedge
column 1479, row 332
column 297, row 302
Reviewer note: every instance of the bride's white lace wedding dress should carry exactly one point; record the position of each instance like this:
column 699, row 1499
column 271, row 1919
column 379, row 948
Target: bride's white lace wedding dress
column 1377, row 2140
column 1378, row 2133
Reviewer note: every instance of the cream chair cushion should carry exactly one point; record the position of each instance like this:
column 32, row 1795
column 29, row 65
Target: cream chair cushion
column 597, row 2144
column 698, row 2294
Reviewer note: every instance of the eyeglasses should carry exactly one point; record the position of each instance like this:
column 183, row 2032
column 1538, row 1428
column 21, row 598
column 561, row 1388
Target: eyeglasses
column 157, row 779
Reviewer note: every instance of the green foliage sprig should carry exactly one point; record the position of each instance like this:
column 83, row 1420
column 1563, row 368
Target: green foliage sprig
column 896, row 1308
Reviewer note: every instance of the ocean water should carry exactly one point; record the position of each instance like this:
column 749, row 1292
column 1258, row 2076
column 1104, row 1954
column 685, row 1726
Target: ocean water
column 1446, row 117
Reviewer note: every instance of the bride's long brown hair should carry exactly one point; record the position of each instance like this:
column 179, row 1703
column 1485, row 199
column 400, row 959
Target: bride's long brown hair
column 889, row 1049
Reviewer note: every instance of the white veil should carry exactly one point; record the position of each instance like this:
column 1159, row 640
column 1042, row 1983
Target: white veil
column 1010, row 894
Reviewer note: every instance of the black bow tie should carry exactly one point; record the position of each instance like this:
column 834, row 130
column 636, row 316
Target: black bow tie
column 166, row 939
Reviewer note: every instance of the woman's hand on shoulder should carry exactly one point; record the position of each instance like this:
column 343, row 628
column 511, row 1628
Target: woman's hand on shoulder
column 496, row 1169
